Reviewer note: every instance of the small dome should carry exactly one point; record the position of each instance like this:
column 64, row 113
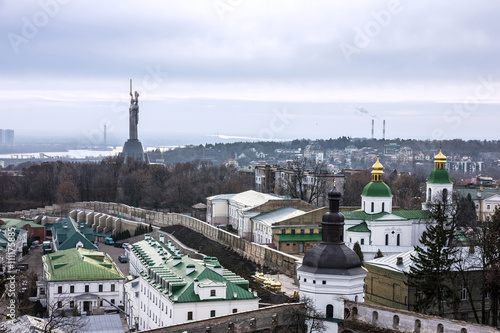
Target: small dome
column 377, row 166
column 439, row 176
column 327, row 257
column 334, row 193
column 440, row 157
column 377, row 189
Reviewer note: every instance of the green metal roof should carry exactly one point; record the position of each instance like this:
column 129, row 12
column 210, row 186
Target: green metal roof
column 412, row 214
column 377, row 189
column 485, row 193
column 18, row 223
column 362, row 227
column 69, row 233
column 168, row 275
column 361, row 215
column 439, row 176
column 299, row 237
column 80, row 265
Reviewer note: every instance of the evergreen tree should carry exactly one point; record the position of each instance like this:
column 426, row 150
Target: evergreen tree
column 431, row 273
column 357, row 248
column 492, row 254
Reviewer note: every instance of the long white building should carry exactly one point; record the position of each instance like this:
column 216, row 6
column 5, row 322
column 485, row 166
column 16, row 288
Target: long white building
column 171, row 288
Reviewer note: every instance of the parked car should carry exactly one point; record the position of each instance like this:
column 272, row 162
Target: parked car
column 109, row 241
column 122, row 259
column 126, row 245
column 118, row 244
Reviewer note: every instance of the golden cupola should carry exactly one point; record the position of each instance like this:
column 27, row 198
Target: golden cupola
column 377, row 171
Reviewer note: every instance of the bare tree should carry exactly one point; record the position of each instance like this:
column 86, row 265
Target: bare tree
column 307, row 180
column 305, row 319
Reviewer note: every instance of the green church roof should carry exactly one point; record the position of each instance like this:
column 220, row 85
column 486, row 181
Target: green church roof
column 80, row 265
column 377, row 189
column 362, row 227
column 439, row 176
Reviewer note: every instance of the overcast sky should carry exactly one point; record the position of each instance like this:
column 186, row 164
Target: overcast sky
column 250, row 68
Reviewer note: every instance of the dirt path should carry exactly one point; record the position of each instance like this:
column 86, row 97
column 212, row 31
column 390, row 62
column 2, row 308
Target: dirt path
column 228, row 259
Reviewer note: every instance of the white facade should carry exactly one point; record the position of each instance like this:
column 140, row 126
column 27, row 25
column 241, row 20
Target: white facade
column 84, row 295
column 375, row 205
column 162, row 295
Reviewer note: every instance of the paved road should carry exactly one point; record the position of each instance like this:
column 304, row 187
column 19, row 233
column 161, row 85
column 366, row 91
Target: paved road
column 114, row 252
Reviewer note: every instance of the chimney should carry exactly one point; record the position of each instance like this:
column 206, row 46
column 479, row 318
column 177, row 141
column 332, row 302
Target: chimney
column 399, row 261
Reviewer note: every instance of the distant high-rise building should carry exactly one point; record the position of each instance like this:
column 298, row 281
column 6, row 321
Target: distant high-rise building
column 9, row 137
column 6, row 137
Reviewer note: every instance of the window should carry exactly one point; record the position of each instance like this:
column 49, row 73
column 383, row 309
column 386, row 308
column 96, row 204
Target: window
column 429, row 197
column 212, row 313
column 302, row 231
column 59, row 290
column 283, row 231
column 305, row 280
column 190, row 315
column 311, row 231
column 398, row 239
column 112, row 301
column 72, row 304
column 100, row 288
column 463, row 293
column 373, row 207
column 314, row 281
column 445, row 195
column 293, row 231
column 212, row 292
column 362, row 241
column 324, row 282
column 112, row 287
column 329, row 311
column 235, row 310
column 59, row 304
column 72, row 289
column 386, row 239
column 383, row 206
column 87, row 287
column 395, row 322
column 488, row 207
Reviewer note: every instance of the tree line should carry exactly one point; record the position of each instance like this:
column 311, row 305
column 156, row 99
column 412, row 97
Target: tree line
column 172, row 188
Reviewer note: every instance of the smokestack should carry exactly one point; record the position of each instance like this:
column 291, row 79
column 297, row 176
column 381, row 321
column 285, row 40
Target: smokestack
column 373, row 128
column 383, row 131
column 105, row 136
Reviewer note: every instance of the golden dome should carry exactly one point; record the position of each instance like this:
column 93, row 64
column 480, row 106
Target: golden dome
column 440, row 160
column 377, row 171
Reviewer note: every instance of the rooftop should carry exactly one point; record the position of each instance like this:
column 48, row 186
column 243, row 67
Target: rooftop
column 80, row 264
column 270, row 218
column 176, row 276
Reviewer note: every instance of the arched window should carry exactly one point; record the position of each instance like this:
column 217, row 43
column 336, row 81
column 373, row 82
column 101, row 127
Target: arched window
column 445, row 195
column 398, row 239
column 329, row 311
column 362, row 241
column 429, row 196
column 373, row 207
column 417, row 326
column 440, row 328
column 383, row 206
column 374, row 318
column 395, row 322
column 386, row 239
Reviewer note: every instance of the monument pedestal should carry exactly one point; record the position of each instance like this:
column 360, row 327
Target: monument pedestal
column 132, row 149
